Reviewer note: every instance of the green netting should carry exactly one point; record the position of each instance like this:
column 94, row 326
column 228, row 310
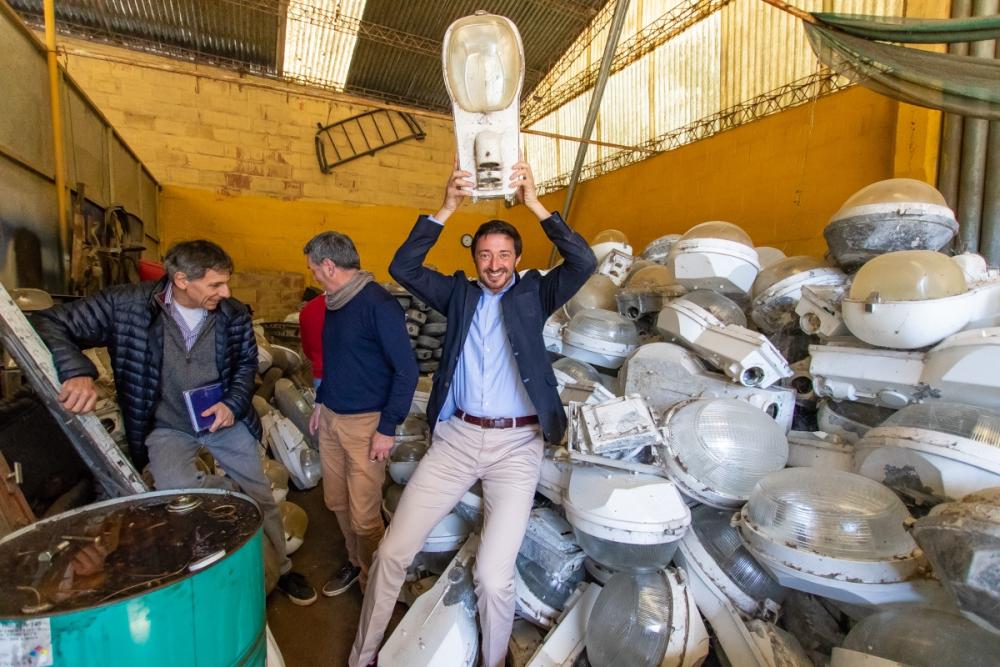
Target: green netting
column 914, row 31
column 959, row 84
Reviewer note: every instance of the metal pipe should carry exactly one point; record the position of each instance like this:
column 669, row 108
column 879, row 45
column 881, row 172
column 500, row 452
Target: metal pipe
column 595, row 142
column 614, row 32
column 989, row 235
column 951, row 130
column 57, row 132
column 972, row 175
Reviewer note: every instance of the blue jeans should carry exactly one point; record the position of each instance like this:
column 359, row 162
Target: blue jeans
column 172, row 456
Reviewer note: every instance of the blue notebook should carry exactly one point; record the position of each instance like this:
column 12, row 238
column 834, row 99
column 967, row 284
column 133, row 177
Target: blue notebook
column 200, row 399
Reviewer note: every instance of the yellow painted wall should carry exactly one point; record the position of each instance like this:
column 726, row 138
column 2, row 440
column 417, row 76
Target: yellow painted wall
column 237, row 162
column 780, row 178
column 236, row 157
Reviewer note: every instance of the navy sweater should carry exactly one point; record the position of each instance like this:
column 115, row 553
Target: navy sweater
column 368, row 364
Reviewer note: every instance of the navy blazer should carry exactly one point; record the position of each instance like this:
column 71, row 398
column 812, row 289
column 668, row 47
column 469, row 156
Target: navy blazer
column 525, row 306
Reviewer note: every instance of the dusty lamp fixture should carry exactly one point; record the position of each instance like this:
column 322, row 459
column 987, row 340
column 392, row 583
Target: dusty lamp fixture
column 890, row 215
column 623, row 520
column 916, row 638
column 483, row 61
column 838, row 535
column 939, row 449
column 646, row 619
column 907, row 300
column 716, row 450
column 962, row 540
column 716, row 256
column 778, row 289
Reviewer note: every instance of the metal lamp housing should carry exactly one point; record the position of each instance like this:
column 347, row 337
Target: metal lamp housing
column 625, row 520
column 890, row 215
column 483, row 61
column 944, row 449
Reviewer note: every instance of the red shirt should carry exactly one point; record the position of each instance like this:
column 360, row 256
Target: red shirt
column 311, row 319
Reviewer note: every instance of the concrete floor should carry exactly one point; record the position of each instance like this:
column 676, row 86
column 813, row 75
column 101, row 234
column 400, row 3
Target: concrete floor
column 322, row 633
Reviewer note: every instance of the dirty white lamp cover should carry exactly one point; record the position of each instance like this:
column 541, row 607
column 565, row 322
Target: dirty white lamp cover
column 483, row 62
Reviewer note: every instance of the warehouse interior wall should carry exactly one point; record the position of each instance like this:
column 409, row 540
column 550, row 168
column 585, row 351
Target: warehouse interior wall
column 237, row 161
column 781, row 178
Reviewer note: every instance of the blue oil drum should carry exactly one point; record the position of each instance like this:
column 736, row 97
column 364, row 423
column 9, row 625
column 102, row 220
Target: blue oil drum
column 169, row 578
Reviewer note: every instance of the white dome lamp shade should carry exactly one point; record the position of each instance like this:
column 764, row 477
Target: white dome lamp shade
column 906, row 300
column 277, row 477
column 962, row 542
column 890, row 215
column 716, row 450
column 623, row 520
column 646, row 619
column 716, row 256
column 916, row 638
column 600, row 337
column 838, row 535
column 778, row 288
column 483, row 62
column 607, row 241
column 937, row 449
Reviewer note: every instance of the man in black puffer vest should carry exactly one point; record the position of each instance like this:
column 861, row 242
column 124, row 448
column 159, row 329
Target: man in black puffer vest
column 179, row 333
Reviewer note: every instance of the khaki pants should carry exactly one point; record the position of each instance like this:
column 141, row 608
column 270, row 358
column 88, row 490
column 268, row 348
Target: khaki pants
column 508, row 463
column 352, row 485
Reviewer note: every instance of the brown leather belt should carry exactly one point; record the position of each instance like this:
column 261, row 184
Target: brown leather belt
column 496, row 422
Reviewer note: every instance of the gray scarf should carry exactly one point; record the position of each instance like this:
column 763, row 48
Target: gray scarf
column 337, row 300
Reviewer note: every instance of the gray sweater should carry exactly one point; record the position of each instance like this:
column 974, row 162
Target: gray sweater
column 183, row 370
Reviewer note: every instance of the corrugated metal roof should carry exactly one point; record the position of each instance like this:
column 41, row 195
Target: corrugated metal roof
column 240, row 32
column 547, row 29
column 384, row 49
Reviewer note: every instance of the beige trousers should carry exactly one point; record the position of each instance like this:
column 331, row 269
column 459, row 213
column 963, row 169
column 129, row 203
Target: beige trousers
column 508, row 463
column 352, row 485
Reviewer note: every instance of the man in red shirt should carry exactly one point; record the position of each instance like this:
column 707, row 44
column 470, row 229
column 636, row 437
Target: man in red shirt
column 311, row 334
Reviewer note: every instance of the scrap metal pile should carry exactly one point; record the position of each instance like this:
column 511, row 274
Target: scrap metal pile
column 776, row 460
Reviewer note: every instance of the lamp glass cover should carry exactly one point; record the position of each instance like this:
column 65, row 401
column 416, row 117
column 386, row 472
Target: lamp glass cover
column 598, row 292
column 909, row 275
column 626, row 556
column 966, row 421
column 604, row 325
column 393, row 492
column 831, row 513
column 408, row 452
column 723, row 308
column 893, row 191
column 782, row 269
column 726, row 444
column 722, row 541
column 294, row 519
column 651, row 277
column 580, row 371
column 631, row 621
column 718, row 229
column 609, row 236
column 483, row 64
column 924, row 638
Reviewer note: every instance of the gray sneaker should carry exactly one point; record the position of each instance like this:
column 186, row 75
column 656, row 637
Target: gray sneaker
column 343, row 579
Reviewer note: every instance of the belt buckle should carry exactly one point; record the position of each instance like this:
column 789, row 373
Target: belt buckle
column 494, row 422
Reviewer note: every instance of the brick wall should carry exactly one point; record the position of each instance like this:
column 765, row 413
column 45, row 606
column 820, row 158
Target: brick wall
column 271, row 294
